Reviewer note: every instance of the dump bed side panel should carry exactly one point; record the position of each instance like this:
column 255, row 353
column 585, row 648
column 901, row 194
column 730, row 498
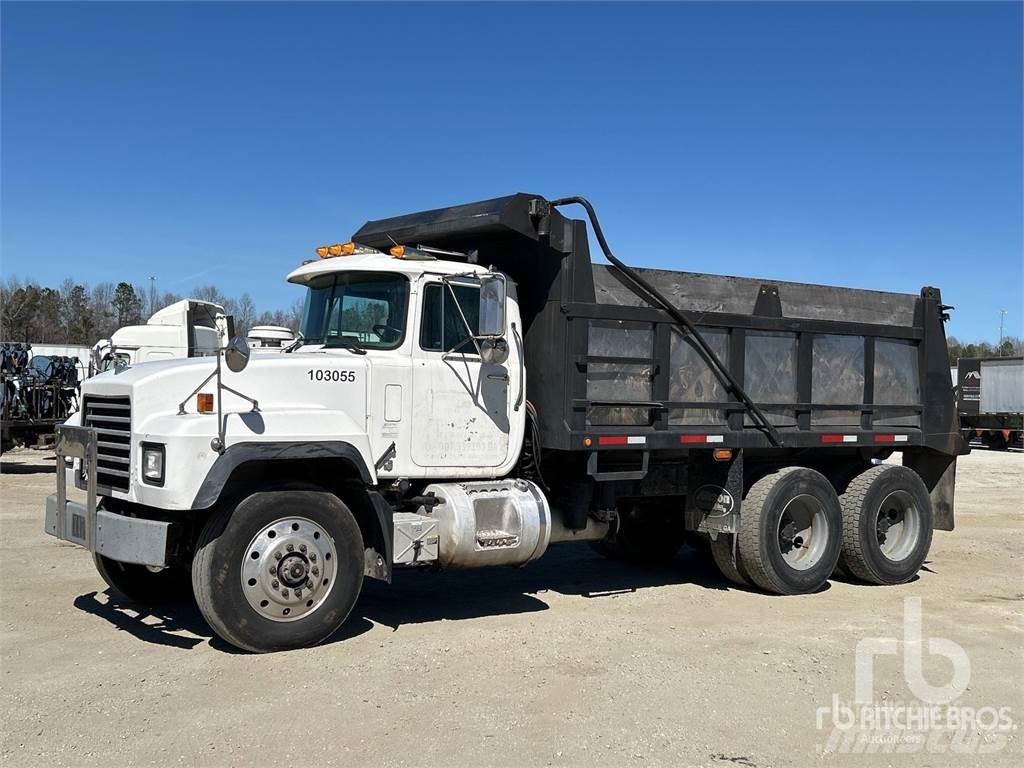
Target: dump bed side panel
column 739, row 295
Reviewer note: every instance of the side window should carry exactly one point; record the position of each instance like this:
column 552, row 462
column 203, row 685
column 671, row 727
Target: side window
column 443, row 329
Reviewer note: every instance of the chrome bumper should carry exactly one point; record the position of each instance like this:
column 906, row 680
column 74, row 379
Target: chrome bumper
column 126, row 539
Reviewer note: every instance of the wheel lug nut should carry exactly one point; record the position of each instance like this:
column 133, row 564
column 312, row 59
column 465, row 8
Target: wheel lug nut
column 284, row 592
column 302, row 547
column 277, row 555
column 312, row 557
column 309, row 583
column 298, row 593
column 290, row 547
column 315, row 571
column 275, row 584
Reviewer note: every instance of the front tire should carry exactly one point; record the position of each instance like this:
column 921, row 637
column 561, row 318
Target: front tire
column 790, row 532
column 887, row 525
column 281, row 570
column 137, row 582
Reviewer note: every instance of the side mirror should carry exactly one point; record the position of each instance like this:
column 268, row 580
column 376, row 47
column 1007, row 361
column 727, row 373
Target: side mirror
column 494, row 350
column 236, row 354
column 492, row 307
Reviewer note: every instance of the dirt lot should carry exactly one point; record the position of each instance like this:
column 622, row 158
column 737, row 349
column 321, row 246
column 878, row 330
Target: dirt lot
column 572, row 661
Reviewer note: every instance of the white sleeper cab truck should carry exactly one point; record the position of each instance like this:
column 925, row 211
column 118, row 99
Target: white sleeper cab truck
column 270, row 338
column 187, row 328
column 468, row 390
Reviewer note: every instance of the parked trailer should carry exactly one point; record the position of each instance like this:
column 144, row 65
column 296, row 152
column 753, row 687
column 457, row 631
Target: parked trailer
column 38, row 391
column 470, row 389
column 990, row 400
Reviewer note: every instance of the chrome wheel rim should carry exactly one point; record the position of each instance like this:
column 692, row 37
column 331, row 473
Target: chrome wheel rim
column 288, row 569
column 897, row 526
column 803, row 532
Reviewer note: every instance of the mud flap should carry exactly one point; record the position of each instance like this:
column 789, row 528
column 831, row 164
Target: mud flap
column 939, row 474
column 714, row 493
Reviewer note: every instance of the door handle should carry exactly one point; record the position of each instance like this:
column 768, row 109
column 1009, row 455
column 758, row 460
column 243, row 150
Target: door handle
column 498, row 376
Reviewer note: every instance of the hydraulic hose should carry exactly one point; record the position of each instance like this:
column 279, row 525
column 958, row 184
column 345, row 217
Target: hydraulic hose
column 656, row 298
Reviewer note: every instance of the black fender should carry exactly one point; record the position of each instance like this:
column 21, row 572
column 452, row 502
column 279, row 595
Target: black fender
column 242, row 453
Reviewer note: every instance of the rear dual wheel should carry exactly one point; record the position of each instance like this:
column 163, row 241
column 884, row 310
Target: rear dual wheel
column 789, row 537
column 790, row 532
column 887, row 525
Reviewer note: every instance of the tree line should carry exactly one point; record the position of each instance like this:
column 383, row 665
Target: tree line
column 79, row 314
column 1009, row 346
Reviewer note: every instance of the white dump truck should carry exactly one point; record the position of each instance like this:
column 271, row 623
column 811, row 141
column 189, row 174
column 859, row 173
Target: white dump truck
column 187, row 328
column 468, row 389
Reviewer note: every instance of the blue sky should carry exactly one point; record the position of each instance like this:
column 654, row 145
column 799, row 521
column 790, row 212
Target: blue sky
column 871, row 145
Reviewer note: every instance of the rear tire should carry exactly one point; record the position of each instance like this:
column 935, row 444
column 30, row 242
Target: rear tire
column 281, row 570
column 137, row 582
column 722, row 552
column 790, row 531
column 887, row 525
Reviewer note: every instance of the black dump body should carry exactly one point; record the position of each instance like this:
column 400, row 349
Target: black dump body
column 828, row 368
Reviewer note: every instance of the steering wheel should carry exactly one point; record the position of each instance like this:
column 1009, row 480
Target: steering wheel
column 387, row 333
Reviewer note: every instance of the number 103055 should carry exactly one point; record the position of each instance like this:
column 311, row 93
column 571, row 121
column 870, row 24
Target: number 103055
column 330, row 374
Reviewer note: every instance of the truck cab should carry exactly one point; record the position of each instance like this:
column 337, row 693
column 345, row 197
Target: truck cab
column 187, row 328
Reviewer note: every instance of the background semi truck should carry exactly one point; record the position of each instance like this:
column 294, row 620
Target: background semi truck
column 186, row 328
column 469, row 389
column 990, row 400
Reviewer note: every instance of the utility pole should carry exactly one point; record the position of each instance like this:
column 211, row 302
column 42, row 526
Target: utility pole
column 1002, row 318
column 152, row 295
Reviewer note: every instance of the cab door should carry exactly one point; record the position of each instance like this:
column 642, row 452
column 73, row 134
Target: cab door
column 460, row 403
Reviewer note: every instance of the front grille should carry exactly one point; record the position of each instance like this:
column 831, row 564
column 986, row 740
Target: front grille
column 111, row 417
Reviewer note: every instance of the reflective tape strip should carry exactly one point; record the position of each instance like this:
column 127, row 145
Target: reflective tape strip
column 622, row 440
column 701, row 439
column 902, row 438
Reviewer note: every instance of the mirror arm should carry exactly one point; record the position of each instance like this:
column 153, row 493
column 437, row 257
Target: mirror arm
column 465, row 322
column 183, row 403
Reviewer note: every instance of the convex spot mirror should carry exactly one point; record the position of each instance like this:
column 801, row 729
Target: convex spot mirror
column 236, row 354
column 494, row 350
column 492, row 307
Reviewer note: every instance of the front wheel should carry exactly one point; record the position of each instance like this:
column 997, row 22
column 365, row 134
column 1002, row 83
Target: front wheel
column 281, row 570
column 144, row 584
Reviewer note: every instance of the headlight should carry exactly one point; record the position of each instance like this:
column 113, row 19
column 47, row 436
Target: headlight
column 153, row 463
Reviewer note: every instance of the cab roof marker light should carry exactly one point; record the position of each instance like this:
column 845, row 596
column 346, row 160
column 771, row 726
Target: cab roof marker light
column 411, row 254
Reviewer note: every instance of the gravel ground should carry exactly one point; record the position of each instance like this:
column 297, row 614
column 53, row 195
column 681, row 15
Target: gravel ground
column 574, row 660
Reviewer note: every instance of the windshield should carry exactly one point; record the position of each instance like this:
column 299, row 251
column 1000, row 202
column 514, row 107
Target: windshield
column 365, row 308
